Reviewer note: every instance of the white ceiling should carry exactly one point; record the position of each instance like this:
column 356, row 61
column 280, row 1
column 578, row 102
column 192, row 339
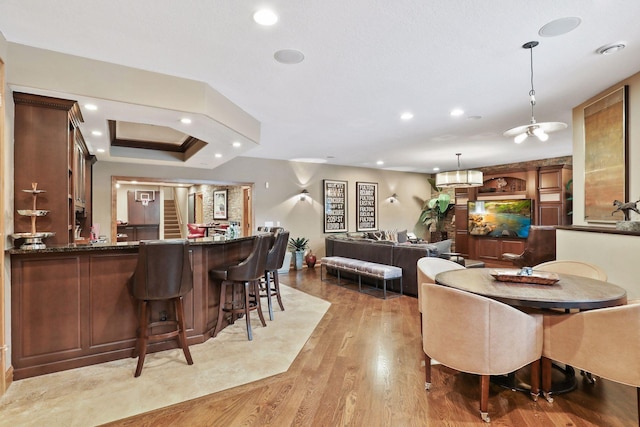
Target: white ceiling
column 366, row 62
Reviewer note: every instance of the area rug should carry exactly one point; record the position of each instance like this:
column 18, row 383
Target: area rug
column 106, row 392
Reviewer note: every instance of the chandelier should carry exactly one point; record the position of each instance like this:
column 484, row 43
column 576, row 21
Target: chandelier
column 539, row 130
column 459, row 178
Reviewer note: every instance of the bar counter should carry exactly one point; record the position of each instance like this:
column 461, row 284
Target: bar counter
column 71, row 305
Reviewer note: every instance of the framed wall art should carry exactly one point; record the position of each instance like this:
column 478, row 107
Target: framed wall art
column 335, row 206
column 605, row 153
column 220, row 204
column 367, row 206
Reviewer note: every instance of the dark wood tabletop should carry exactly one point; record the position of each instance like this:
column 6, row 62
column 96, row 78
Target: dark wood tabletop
column 569, row 292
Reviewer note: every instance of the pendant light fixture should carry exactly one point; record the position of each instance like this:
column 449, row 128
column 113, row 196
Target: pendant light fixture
column 539, row 130
column 459, row 178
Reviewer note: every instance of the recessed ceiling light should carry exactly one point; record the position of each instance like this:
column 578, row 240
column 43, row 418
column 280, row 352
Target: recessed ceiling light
column 406, row 116
column 96, row 133
column 560, row 26
column 379, row 163
column 90, row 107
column 100, row 150
column 185, row 120
column 265, row 17
column 436, row 169
column 608, row 49
column 289, row 56
column 217, row 155
column 457, row 112
column 309, row 160
column 236, row 144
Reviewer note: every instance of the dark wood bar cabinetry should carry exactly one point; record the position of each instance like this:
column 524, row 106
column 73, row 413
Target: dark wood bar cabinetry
column 545, row 185
column 49, row 150
column 72, row 307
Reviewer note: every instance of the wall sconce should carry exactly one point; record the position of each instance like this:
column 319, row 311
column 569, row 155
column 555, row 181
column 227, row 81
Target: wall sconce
column 393, row 198
column 303, row 195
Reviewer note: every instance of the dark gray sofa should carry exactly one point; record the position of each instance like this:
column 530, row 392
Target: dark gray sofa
column 403, row 255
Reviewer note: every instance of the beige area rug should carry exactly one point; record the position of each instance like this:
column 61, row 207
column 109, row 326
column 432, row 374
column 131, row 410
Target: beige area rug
column 106, row 392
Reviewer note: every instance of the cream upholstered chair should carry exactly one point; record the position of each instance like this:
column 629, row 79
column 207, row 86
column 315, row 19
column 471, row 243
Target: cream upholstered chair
column 478, row 335
column 577, row 268
column 604, row 341
column 428, row 268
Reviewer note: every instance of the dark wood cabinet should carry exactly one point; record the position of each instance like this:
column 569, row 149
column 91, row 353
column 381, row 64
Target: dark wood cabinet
column 545, row 185
column 553, row 196
column 139, row 232
column 49, row 149
column 74, row 308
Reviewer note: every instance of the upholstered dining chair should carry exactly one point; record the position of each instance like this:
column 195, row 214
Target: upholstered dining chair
column 195, row 231
column 605, row 342
column 428, row 268
column 577, row 268
column 478, row 335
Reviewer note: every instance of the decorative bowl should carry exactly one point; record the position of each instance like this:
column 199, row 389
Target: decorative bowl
column 536, row 277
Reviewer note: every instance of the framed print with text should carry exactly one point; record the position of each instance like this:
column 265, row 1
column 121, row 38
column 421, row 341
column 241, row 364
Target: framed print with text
column 367, row 206
column 220, row 204
column 335, row 206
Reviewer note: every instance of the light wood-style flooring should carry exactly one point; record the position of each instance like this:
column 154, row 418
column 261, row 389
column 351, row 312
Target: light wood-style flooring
column 363, row 366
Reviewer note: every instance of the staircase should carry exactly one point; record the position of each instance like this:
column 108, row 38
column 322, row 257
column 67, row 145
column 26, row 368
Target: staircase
column 171, row 224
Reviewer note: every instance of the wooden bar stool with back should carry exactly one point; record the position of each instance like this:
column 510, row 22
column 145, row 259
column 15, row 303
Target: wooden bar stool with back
column 163, row 273
column 247, row 274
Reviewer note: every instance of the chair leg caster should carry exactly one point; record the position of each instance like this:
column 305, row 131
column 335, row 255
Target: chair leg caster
column 485, row 417
column 547, row 396
column 534, row 396
column 427, row 386
column 588, row 376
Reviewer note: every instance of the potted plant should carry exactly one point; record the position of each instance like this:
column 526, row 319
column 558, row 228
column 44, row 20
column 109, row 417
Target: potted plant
column 434, row 213
column 298, row 245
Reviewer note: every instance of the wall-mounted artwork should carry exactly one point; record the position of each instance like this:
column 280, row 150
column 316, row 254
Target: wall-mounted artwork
column 367, row 206
column 335, row 206
column 605, row 153
column 220, row 204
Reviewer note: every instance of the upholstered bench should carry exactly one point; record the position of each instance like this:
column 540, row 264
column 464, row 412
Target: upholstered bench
column 362, row 268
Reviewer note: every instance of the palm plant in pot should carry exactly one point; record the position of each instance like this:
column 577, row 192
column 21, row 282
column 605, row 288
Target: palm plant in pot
column 434, row 213
column 298, row 245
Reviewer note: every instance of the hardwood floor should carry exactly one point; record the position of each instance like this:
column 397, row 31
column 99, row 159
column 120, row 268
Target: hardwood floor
column 363, row 366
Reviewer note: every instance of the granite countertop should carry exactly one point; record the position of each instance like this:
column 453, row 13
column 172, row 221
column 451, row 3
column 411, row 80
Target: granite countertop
column 115, row 246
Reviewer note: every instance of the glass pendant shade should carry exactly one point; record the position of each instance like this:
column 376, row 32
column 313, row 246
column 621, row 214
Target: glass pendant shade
column 459, row 178
column 539, row 130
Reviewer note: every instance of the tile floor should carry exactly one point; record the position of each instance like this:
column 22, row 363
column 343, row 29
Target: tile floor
column 101, row 393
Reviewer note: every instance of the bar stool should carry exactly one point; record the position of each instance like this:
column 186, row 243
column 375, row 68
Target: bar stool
column 275, row 259
column 247, row 273
column 163, row 273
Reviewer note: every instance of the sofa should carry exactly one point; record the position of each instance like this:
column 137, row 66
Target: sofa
column 403, row 255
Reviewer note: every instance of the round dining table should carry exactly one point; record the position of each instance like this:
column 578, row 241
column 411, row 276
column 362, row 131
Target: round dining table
column 569, row 292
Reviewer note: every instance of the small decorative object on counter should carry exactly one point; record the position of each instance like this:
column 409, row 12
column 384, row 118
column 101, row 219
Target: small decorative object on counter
column 33, row 239
column 626, row 208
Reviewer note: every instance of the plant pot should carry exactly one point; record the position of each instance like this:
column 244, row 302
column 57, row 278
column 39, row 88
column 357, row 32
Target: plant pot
column 310, row 259
column 286, row 264
column 437, row 236
column 299, row 255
